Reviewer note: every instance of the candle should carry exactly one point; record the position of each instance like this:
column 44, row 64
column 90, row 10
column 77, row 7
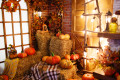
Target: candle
column 87, row 76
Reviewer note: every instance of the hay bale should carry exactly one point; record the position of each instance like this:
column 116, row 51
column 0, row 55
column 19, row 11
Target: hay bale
column 64, row 73
column 43, row 40
column 25, row 64
column 60, row 47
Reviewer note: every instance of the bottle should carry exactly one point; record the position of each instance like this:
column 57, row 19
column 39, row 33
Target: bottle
column 113, row 25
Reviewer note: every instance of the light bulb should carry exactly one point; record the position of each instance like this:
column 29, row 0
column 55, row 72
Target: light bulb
column 81, row 16
column 94, row 11
column 92, row 20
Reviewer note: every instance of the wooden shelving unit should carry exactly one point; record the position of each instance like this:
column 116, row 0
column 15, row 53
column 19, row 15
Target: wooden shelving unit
column 109, row 35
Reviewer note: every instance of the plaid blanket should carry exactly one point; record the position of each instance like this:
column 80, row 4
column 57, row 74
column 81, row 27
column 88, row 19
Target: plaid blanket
column 42, row 71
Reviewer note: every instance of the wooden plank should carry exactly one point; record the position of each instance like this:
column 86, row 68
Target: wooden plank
column 21, row 26
column 99, row 76
column 2, row 61
column 92, row 14
column 12, row 34
column 16, row 46
column 29, row 25
column 109, row 35
column 92, row 47
column 5, row 41
column 12, row 29
column 14, row 21
column 88, row 2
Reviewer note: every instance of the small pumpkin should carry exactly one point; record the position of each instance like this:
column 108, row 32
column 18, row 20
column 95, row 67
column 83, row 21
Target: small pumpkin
column 66, row 64
column 44, row 58
column 54, row 59
column 30, row 51
column 67, row 36
column 22, row 55
column 74, row 56
column 12, row 56
column 4, row 77
column 62, row 37
column 58, row 34
column 67, row 56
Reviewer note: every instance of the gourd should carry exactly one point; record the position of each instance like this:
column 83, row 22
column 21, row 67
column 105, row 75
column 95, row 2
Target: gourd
column 30, row 51
column 54, row 59
column 66, row 64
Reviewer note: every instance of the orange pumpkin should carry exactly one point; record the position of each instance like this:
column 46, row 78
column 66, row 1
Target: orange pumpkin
column 67, row 56
column 4, row 77
column 74, row 56
column 54, row 59
column 30, row 51
column 22, row 55
column 44, row 58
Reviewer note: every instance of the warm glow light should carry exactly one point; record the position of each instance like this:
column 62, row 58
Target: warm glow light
column 97, row 29
column 81, row 16
column 89, row 0
column 114, row 15
column 108, row 20
column 94, row 11
column 40, row 13
column 103, row 42
column 92, row 20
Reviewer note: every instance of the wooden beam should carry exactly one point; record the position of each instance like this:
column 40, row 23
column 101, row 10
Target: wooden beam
column 5, row 40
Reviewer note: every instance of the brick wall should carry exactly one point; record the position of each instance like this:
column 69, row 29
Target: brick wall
column 67, row 17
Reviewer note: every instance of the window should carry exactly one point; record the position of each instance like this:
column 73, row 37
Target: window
column 14, row 29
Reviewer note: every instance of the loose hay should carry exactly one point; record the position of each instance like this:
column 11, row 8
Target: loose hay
column 25, row 64
column 60, row 47
column 43, row 39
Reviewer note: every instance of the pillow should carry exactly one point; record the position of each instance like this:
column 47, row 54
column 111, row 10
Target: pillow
column 11, row 67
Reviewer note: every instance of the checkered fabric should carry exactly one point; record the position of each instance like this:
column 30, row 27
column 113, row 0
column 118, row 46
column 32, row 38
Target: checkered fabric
column 42, row 71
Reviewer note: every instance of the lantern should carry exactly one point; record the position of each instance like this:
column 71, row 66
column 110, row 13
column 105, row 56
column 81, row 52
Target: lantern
column 108, row 19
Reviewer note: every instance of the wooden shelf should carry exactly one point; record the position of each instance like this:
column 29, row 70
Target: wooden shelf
column 99, row 34
column 109, row 35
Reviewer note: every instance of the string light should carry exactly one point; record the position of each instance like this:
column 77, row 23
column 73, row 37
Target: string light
column 81, row 16
column 94, row 10
column 92, row 20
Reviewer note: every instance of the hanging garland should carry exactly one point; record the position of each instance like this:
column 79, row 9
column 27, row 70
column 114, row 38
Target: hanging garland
column 11, row 5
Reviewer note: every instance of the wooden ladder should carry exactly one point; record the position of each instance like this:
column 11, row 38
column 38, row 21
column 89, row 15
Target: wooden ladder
column 85, row 28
